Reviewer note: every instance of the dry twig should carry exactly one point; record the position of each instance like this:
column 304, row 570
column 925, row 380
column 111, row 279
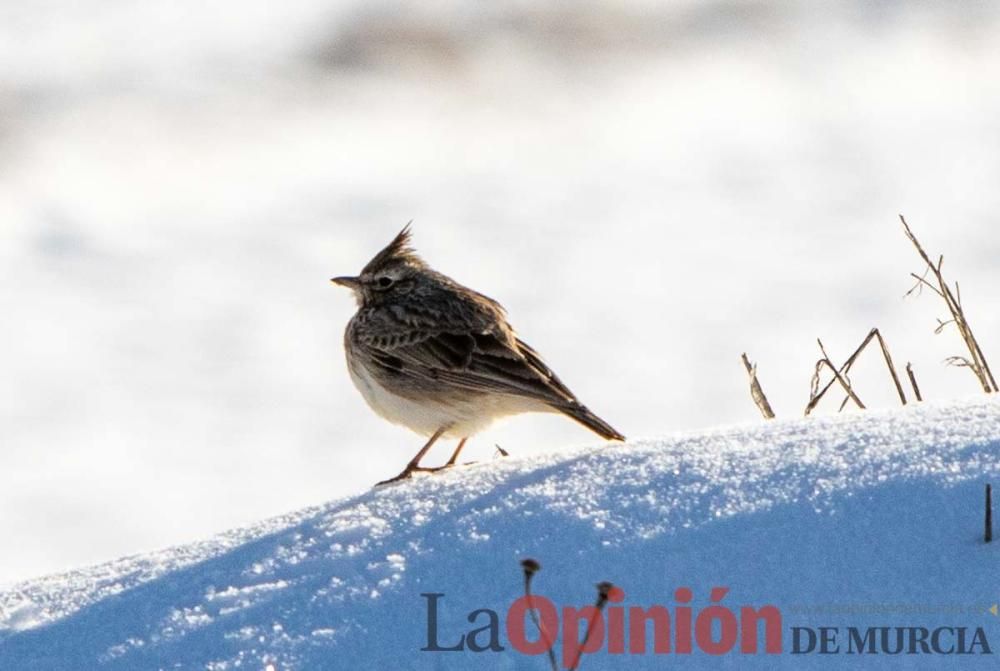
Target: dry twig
column 755, row 391
column 913, row 381
column 976, row 362
column 603, row 590
column 840, row 374
column 530, row 568
column 892, row 368
column 988, row 522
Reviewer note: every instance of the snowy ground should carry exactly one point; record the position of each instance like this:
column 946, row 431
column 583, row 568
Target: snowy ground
column 883, row 508
column 655, row 186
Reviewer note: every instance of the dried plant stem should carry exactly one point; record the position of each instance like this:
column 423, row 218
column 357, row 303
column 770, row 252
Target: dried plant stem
column 988, row 530
column 531, row 567
column 603, row 589
column 755, row 391
column 913, row 381
column 892, row 368
column 977, row 362
column 838, row 377
column 817, row 394
column 840, row 374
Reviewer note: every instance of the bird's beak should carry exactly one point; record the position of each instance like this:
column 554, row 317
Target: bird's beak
column 353, row 283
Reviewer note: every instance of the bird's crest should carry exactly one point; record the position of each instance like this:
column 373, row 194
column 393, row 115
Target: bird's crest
column 399, row 250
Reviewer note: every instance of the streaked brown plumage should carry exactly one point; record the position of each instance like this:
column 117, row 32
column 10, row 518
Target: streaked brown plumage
column 440, row 358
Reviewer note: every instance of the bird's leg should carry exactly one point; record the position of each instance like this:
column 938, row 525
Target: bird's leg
column 414, row 464
column 454, row 455
column 449, row 464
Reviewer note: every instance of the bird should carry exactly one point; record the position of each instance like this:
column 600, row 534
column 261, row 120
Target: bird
column 441, row 359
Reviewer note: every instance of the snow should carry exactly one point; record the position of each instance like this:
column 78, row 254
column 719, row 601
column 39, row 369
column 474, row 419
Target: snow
column 812, row 515
column 654, row 186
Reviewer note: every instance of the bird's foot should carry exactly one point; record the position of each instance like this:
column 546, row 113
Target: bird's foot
column 408, row 473
column 452, row 464
column 405, row 475
column 411, row 469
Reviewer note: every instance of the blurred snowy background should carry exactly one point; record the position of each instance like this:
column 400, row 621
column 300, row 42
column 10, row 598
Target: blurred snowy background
column 650, row 188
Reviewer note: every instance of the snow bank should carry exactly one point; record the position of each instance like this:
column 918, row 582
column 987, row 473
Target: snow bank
column 878, row 512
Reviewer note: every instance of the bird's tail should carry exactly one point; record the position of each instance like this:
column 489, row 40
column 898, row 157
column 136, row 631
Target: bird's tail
column 583, row 415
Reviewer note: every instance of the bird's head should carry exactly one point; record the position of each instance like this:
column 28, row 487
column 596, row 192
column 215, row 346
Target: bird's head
column 392, row 273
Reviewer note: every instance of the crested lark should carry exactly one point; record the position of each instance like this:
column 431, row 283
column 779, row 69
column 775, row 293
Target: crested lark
column 440, row 358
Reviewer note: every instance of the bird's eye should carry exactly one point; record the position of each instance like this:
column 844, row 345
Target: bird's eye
column 384, row 282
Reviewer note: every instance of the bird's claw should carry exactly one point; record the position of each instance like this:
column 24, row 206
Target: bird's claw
column 410, row 470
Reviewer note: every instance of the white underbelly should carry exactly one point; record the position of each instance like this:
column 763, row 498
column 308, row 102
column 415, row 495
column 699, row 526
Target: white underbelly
column 462, row 416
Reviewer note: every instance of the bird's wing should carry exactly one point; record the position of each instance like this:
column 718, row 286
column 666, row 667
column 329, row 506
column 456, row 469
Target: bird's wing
column 490, row 359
